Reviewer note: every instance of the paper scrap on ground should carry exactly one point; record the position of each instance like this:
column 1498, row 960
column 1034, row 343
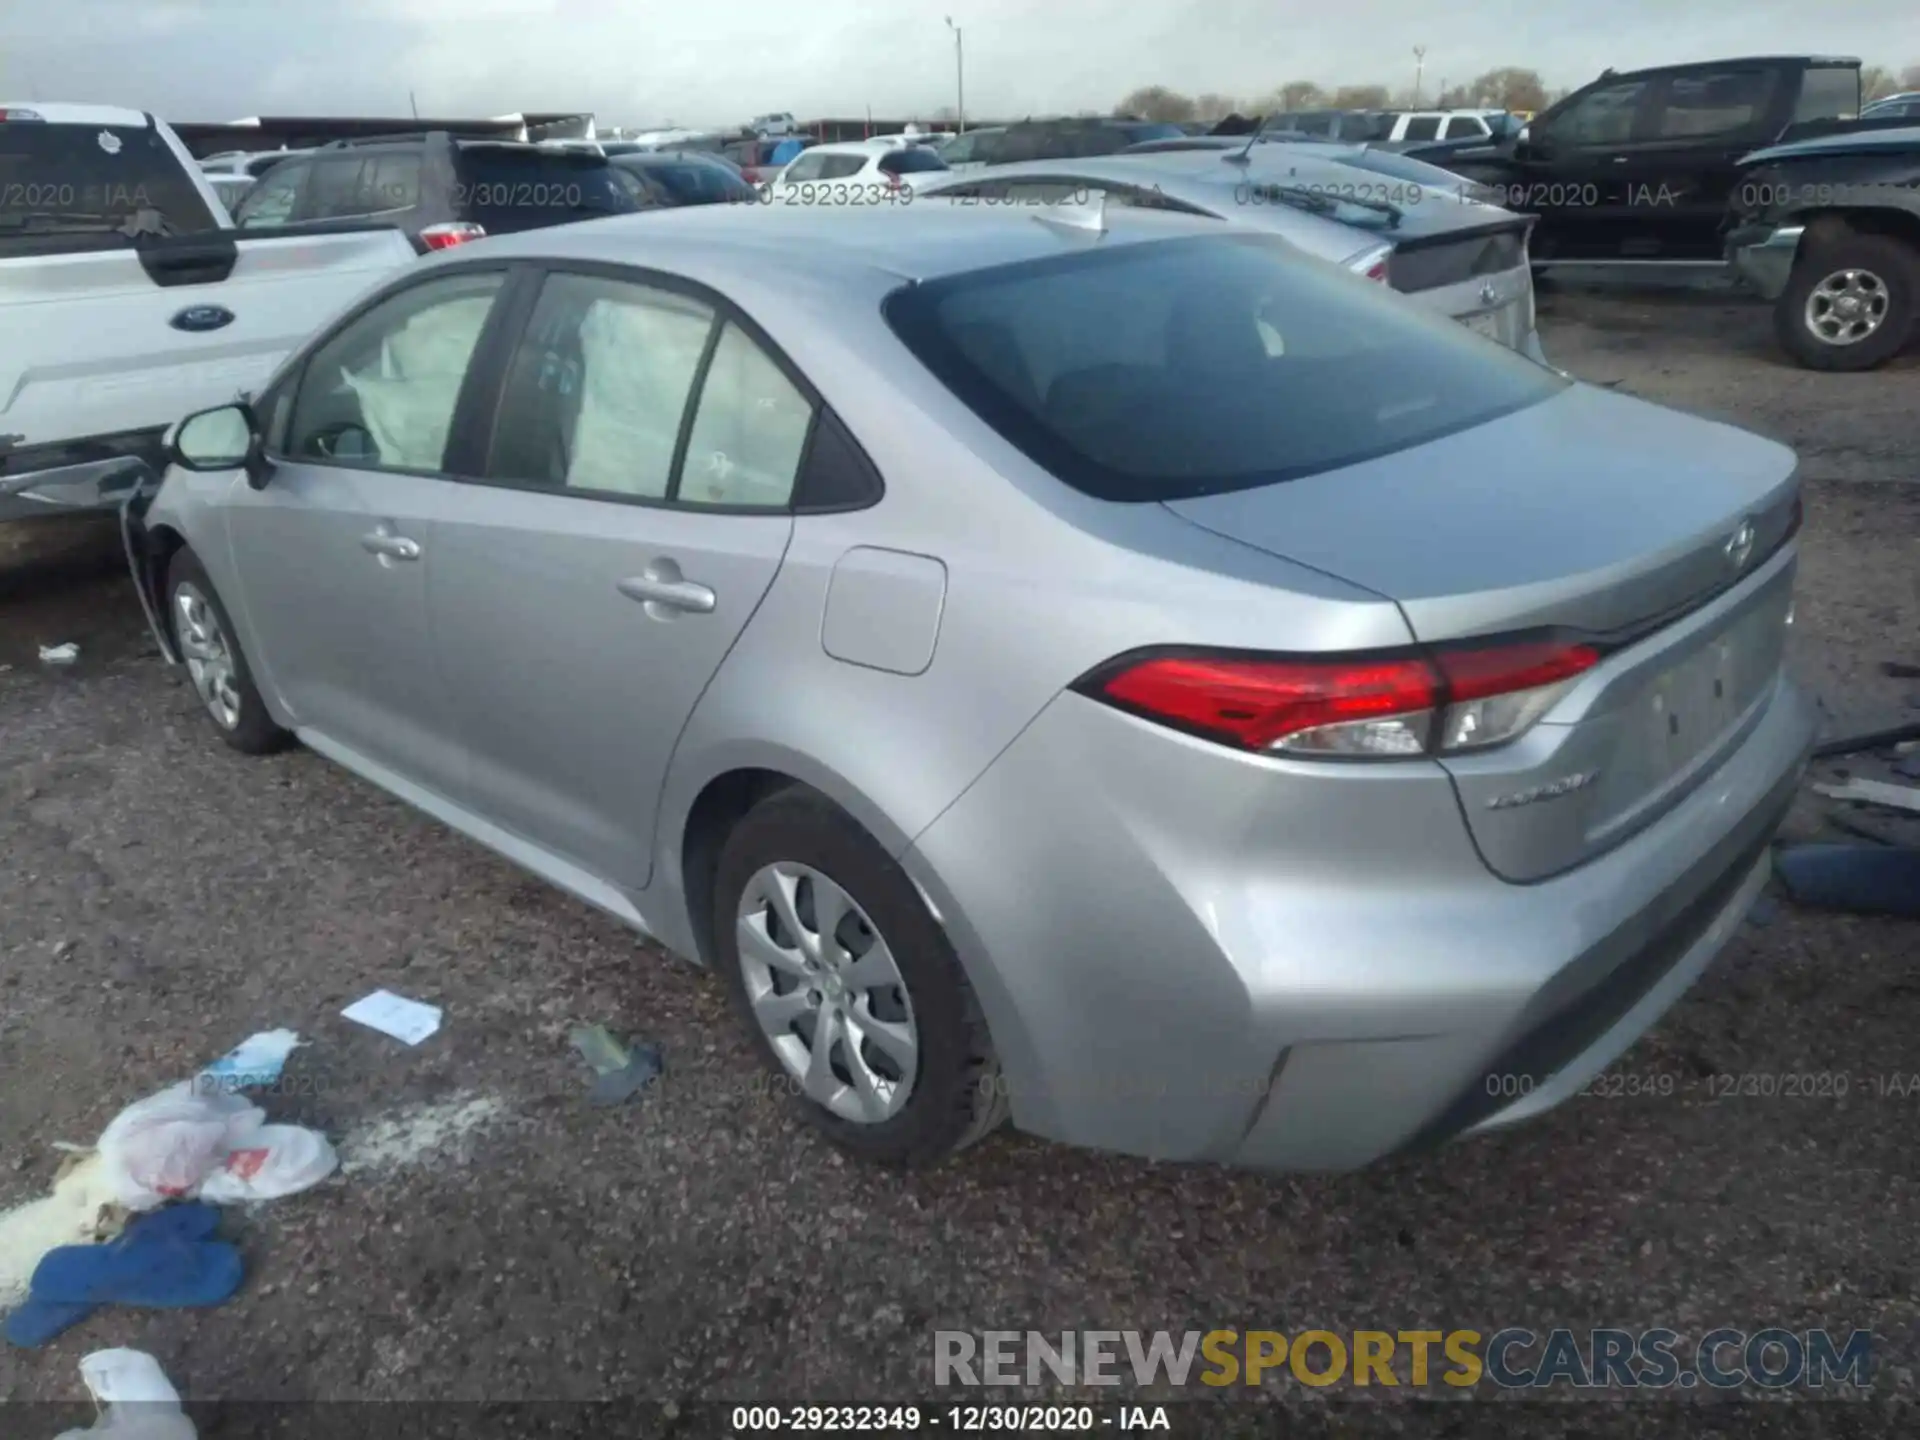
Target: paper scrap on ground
column 256, row 1060
column 405, row 1020
column 60, row 654
column 418, row 1134
column 620, row 1072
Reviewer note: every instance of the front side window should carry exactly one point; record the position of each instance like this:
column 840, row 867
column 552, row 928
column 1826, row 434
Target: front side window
column 1464, row 127
column 1828, row 92
column 380, row 395
column 1176, row 368
column 1423, row 127
column 839, row 167
column 598, row 388
column 1600, row 117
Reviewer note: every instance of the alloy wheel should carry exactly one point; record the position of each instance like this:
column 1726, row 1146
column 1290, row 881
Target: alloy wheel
column 208, row 653
column 824, row 987
column 1847, row 306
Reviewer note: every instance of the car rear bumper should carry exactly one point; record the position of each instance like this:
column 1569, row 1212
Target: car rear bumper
column 1313, row 979
column 1763, row 256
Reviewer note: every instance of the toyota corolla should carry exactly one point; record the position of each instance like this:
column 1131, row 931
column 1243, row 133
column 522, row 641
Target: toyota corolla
column 1129, row 674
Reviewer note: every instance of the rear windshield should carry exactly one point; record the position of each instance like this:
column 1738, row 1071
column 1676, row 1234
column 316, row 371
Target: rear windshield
column 916, row 161
column 1185, row 367
column 90, row 187
column 507, row 190
column 1828, row 92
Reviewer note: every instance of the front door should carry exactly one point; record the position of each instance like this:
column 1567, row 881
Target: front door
column 1573, row 173
column 334, row 554
column 634, row 512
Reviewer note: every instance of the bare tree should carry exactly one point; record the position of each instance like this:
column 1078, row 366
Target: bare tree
column 1877, row 82
column 1910, row 78
column 1360, row 97
column 1157, row 102
column 1213, row 106
column 1301, row 95
column 1509, row 88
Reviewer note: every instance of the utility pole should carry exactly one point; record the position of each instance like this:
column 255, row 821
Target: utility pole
column 1419, row 70
column 959, row 79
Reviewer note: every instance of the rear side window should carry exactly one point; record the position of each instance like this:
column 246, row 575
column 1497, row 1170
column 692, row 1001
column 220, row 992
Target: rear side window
column 91, row 186
column 392, row 181
column 917, row 161
column 1312, row 124
column 695, row 182
column 507, row 190
column 335, row 189
column 1463, row 127
column 839, row 167
column 1715, row 102
column 1828, row 92
column 1423, row 127
column 1200, row 365
column 271, row 201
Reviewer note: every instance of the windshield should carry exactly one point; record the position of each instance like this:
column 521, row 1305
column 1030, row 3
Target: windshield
column 101, row 185
column 1175, row 368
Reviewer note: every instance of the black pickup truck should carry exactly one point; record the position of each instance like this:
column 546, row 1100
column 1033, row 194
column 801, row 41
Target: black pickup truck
column 1829, row 230
column 1642, row 165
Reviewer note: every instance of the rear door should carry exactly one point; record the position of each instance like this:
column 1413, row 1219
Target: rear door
column 632, row 514
column 1680, row 169
column 335, row 552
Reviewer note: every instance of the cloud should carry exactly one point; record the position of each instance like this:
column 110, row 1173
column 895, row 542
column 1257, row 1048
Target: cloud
column 717, row 64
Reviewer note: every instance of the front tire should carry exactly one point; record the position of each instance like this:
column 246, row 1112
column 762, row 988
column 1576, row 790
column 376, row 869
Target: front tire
column 204, row 635
column 850, row 988
column 1849, row 304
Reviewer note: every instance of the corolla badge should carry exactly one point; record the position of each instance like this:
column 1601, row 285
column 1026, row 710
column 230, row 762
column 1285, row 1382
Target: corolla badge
column 1552, row 790
column 198, row 318
column 1489, row 293
column 1739, row 546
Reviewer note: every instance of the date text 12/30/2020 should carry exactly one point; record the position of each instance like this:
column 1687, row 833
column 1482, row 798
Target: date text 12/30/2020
column 1727, row 1086
column 953, row 1419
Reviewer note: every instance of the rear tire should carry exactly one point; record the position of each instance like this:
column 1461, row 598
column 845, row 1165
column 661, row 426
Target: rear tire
column 1849, row 304
column 814, row 853
column 204, row 635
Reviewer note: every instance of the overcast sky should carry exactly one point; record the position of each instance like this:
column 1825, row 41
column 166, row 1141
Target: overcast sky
column 718, row 63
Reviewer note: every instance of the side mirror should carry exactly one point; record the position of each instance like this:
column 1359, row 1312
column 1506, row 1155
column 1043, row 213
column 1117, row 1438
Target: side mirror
column 225, row 438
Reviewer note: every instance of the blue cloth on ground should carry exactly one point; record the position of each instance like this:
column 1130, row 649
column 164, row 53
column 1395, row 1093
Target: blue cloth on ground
column 163, row 1259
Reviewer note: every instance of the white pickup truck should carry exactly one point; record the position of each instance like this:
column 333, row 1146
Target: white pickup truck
column 128, row 300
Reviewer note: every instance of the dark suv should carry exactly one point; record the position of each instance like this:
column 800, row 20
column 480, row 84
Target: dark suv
column 439, row 189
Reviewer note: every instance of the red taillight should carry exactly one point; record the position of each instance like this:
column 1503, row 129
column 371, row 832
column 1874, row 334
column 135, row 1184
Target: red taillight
column 893, row 180
column 445, row 237
column 1359, row 706
column 1377, row 271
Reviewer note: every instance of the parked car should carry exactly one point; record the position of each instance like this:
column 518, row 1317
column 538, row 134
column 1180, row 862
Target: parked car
column 231, row 189
column 1424, row 125
column 967, row 150
column 1348, row 125
column 867, row 171
column 1163, row 686
column 760, row 160
column 1065, row 139
column 249, row 163
column 1452, row 255
column 1829, row 230
column 1904, row 105
column 127, row 299
column 779, row 122
column 672, row 178
column 1641, row 165
column 439, row 189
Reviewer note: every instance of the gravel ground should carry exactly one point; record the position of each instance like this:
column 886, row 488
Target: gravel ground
column 497, row 1239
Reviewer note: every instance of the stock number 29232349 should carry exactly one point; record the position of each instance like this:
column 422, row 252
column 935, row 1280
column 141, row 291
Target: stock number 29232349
column 834, row 192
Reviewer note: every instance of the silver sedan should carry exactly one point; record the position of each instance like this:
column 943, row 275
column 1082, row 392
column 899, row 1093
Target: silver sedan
column 1135, row 677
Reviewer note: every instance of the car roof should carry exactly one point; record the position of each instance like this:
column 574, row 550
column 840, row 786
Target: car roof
column 62, row 113
column 859, row 147
column 908, row 242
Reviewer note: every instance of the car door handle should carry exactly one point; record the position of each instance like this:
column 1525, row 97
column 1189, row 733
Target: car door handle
column 1621, row 159
column 389, row 546
column 672, row 593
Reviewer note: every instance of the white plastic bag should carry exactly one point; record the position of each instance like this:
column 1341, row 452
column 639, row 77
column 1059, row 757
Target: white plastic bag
column 161, row 1148
column 137, row 1400
column 274, row 1160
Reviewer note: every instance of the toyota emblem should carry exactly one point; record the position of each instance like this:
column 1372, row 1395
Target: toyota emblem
column 1489, row 293
column 1740, row 545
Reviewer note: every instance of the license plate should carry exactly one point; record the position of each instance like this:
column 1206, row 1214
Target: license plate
column 1487, row 324
column 1692, row 704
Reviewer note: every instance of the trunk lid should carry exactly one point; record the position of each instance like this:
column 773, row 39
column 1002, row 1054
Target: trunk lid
column 1592, row 512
